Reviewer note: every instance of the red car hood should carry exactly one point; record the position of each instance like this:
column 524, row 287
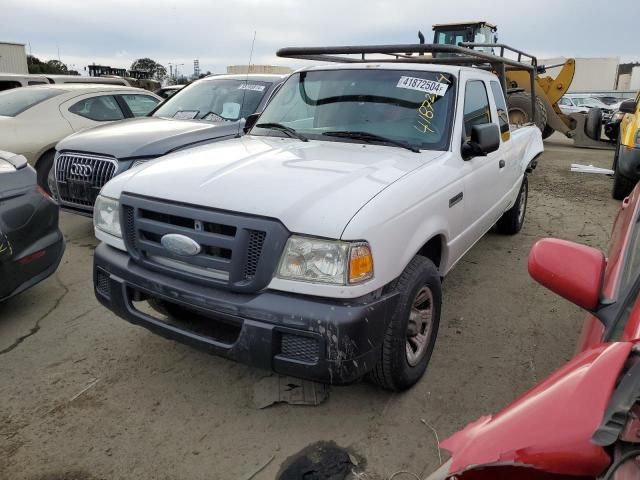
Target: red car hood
column 548, row 428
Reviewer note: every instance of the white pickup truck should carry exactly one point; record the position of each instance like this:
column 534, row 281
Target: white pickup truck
column 315, row 245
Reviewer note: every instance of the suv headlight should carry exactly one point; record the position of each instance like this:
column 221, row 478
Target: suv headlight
column 325, row 261
column 106, row 216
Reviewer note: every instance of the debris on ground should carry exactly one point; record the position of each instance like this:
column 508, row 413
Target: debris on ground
column 319, row 461
column 577, row 167
column 294, row 391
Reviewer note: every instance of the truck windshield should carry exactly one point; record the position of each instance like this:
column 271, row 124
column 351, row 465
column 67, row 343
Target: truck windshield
column 221, row 100
column 411, row 108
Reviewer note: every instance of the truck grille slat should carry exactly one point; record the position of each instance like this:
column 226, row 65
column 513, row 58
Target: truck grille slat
column 80, row 177
column 237, row 252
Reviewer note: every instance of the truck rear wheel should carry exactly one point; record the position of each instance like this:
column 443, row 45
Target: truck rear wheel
column 413, row 327
column 519, row 105
column 512, row 220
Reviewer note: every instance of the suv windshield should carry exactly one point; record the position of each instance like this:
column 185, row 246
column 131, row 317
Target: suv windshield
column 392, row 107
column 215, row 100
column 16, row 101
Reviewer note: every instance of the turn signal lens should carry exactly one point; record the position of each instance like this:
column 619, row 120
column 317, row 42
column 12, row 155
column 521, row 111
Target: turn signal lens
column 360, row 263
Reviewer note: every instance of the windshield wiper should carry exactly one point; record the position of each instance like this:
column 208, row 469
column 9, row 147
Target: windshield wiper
column 366, row 136
column 283, row 128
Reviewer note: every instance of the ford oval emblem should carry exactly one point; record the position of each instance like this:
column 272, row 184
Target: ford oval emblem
column 180, row 244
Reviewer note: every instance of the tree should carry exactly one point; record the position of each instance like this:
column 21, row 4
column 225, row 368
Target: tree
column 49, row 67
column 56, row 66
column 155, row 70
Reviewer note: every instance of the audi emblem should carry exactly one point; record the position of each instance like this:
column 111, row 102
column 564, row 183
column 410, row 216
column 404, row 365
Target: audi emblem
column 80, row 170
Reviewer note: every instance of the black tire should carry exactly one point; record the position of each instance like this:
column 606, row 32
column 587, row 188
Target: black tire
column 43, row 167
column 547, row 132
column 512, row 220
column 519, row 105
column 393, row 370
column 593, row 124
column 622, row 186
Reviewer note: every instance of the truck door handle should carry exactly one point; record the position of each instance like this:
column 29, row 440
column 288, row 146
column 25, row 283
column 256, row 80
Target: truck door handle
column 501, row 164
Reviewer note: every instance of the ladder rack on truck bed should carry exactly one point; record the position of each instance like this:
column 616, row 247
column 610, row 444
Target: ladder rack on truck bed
column 463, row 55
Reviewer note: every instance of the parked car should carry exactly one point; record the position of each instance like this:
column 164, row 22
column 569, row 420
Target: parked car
column 583, row 420
column 575, row 103
column 208, row 110
column 31, row 244
column 315, row 245
column 34, row 119
column 16, row 80
column 626, row 162
column 168, row 91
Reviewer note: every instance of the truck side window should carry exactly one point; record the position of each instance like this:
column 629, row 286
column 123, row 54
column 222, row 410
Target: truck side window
column 476, row 106
column 501, row 107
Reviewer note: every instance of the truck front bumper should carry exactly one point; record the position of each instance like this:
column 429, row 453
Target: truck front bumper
column 629, row 162
column 331, row 341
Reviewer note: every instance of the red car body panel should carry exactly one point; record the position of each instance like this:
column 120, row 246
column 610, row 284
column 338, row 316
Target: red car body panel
column 593, row 330
column 549, row 428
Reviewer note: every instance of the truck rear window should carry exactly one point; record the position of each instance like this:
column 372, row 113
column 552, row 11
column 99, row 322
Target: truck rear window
column 413, row 107
column 16, row 101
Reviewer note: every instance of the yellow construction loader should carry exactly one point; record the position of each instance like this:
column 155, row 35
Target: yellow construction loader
column 482, row 36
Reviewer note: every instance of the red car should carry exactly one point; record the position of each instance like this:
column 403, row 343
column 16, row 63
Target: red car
column 583, row 422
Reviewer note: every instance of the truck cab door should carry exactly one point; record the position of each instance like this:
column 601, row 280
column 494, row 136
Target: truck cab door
column 484, row 185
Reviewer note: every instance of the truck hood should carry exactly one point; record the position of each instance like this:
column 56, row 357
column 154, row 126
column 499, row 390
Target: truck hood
column 145, row 137
column 549, row 428
column 312, row 187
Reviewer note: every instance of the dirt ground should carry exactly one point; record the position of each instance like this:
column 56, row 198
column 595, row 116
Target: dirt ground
column 84, row 395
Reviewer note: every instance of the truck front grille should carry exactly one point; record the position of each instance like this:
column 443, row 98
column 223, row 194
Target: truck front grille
column 237, row 252
column 79, row 177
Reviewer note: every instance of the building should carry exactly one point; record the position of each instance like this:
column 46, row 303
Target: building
column 273, row 69
column 13, row 58
column 592, row 74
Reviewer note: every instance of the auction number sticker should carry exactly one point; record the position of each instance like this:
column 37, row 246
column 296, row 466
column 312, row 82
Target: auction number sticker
column 249, row 86
column 430, row 87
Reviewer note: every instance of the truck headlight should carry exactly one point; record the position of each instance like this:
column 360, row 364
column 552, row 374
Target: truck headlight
column 106, row 216
column 326, row 261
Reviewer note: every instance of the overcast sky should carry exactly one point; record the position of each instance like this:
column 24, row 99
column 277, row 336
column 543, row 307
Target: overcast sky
column 219, row 32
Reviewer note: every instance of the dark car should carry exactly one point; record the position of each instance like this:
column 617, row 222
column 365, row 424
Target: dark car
column 208, row 110
column 31, row 244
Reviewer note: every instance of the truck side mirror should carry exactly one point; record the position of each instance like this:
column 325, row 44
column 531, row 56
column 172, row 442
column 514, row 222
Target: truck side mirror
column 571, row 270
column 629, row 106
column 250, row 121
column 485, row 138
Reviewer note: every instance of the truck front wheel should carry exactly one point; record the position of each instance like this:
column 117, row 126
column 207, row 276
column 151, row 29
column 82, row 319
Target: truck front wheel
column 413, row 327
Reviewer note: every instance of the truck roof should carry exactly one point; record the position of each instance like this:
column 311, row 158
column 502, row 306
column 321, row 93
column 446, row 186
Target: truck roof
column 265, row 77
column 428, row 67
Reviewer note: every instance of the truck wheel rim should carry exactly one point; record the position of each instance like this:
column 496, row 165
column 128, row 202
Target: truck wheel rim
column 419, row 326
column 522, row 204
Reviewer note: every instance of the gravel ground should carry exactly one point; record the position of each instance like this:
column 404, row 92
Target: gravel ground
column 85, row 395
